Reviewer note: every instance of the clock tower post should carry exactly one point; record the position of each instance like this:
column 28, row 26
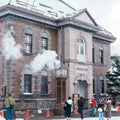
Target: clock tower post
column 61, row 76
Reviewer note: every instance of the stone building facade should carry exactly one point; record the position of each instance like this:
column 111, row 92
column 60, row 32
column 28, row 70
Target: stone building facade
column 83, row 45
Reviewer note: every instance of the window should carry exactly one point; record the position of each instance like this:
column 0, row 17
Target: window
column 101, row 84
column 44, row 85
column 27, row 83
column 80, row 46
column 44, row 44
column 93, row 54
column 28, row 43
column 94, row 84
column 101, row 55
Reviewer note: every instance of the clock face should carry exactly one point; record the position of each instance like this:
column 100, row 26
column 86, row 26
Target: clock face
column 64, row 73
column 61, row 73
column 57, row 73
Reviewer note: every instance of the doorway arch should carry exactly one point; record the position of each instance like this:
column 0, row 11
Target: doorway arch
column 82, row 88
column 83, row 85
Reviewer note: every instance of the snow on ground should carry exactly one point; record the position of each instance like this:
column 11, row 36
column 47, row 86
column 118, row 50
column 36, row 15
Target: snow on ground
column 90, row 118
column 15, row 119
column 95, row 118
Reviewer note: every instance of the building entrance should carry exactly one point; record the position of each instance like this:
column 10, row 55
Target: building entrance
column 82, row 89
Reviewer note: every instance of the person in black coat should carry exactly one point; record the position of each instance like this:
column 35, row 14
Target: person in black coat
column 80, row 103
column 100, row 109
column 67, row 108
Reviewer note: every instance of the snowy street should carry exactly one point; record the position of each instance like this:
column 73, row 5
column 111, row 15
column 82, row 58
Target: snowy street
column 95, row 118
column 115, row 116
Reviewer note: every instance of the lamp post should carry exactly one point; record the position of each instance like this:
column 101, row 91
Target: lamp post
column 61, row 76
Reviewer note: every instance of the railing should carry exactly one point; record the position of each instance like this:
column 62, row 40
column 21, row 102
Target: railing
column 31, row 104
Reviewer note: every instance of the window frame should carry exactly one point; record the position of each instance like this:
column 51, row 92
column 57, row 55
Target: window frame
column 93, row 53
column 27, row 83
column 101, row 55
column 94, row 84
column 81, row 46
column 44, row 44
column 102, row 84
column 44, row 85
column 28, row 43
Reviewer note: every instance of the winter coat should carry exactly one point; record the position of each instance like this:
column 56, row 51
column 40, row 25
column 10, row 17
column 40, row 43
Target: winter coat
column 101, row 106
column 108, row 109
column 93, row 103
column 67, row 107
column 80, row 104
column 9, row 101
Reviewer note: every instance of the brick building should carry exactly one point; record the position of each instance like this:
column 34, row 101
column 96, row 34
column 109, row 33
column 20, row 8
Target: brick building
column 82, row 43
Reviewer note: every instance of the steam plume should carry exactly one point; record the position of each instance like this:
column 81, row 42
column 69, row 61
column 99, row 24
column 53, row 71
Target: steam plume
column 48, row 58
column 10, row 49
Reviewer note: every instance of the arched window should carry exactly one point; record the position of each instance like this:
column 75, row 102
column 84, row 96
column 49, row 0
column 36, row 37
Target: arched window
column 94, row 84
column 81, row 46
column 101, row 84
column 28, row 40
column 101, row 54
column 93, row 53
column 44, row 41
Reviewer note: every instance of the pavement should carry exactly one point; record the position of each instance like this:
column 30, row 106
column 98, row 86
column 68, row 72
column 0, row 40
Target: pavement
column 115, row 116
column 95, row 118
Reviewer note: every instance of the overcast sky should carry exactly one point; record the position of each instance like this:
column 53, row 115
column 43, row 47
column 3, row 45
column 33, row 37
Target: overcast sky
column 105, row 13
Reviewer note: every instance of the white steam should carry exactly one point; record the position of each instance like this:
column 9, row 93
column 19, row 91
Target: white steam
column 48, row 58
column 10, row 49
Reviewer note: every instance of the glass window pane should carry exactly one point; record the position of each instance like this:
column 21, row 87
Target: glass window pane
column 80, row 46
column 28, row 43
column 27, row 83
column 44, row 85
column 44, row 44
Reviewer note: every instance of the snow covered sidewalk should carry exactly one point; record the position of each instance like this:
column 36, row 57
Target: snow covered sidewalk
column 15, row 119
column 95, row 118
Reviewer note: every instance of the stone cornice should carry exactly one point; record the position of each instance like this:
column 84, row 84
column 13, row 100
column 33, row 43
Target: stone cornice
column 79, row 24
column 105, row 37
column 26, row 15
column 38, row 18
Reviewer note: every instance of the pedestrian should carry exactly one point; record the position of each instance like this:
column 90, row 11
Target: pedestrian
column 9, row 105
column 100, row 109
column 67, row 108
column 80, row 104
column 93, row 104
column 72, row 107
column 108, row 109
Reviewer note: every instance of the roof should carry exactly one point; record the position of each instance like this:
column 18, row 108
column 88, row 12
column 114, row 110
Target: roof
column 60, row 11
column 54, row 8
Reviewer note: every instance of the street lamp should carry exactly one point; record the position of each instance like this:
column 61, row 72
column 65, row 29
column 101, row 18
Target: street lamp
column 61, row 75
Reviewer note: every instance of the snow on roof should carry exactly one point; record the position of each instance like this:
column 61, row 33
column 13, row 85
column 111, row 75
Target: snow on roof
column 53, row 8
column 104, row 31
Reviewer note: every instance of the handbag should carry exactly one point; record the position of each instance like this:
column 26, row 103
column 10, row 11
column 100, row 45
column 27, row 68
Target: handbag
column 99, row 110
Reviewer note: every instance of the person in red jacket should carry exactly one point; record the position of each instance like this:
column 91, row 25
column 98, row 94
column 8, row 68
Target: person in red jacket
column 93, row 104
